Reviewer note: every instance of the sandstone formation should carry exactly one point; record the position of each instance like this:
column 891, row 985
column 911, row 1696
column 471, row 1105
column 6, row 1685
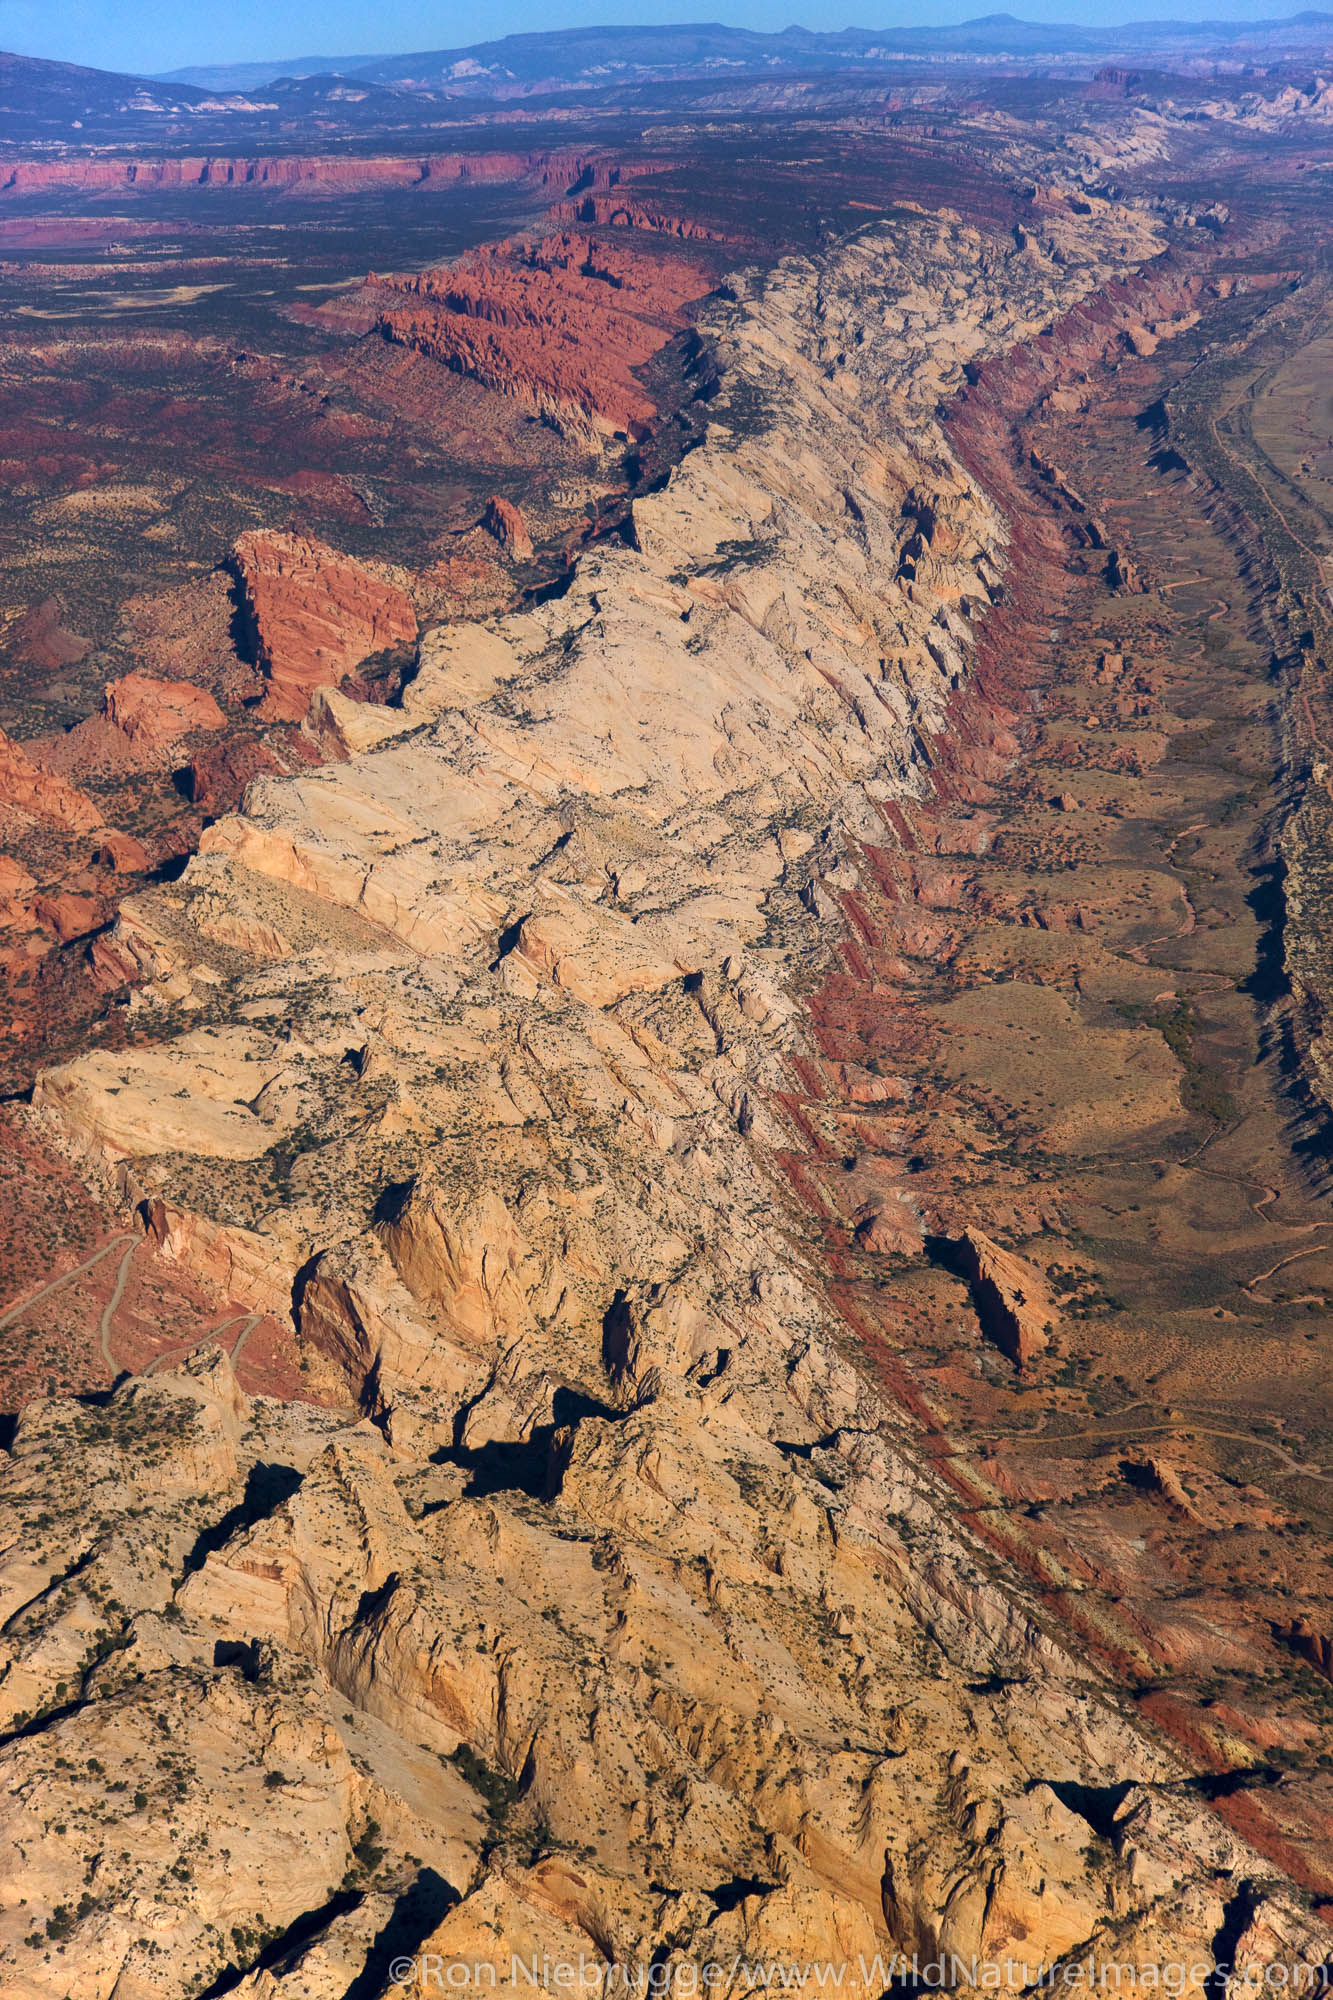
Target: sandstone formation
column 1013, row 1304
column 314, row 615
column 1291, row 106
column 156, row 715
column 122, row 853
column 1311, row 1644
column 41, row 794
column 593, row 1600
column 287, row 170
column 616, row 211
column 128, row 450
column 505, row 522
column 218, row 774
column 561, row 324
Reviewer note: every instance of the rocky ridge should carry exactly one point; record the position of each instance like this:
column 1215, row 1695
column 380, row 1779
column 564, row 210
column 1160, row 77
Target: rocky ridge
column 309, row 612
column 594, row 1598
column 560, row 324
column 24, row 176
column 314, row 614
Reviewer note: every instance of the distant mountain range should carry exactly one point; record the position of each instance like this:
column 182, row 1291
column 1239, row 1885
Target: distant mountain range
column 265, row 104
column 577, row 58
column 62, row 102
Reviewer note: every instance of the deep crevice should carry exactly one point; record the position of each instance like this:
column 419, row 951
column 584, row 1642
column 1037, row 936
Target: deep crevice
column 1097, row 1804
column 266, row 1487
column 417, row 1913
column 1237, row 1916
column 305, row 1927
column 522, row 1465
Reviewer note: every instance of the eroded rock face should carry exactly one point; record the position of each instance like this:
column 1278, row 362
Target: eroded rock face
column 601, row 1580
column 314, row 614
column 43, row 639
column 505, row 521
column 287, row 170
column 24, row 784
column 1013, row 1302
column 155, row 715
column 561, row 324
column 217, row 775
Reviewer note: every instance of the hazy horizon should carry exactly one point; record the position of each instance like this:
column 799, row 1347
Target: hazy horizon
column 163, row 35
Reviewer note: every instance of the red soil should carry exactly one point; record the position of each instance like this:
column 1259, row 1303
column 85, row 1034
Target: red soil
column 40, row 638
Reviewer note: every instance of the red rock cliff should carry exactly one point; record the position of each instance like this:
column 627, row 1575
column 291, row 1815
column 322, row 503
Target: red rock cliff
column 561, row 324
column 28, row 176
column 314, row 614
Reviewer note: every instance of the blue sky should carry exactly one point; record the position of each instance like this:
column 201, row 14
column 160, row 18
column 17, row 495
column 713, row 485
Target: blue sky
column 146, row 36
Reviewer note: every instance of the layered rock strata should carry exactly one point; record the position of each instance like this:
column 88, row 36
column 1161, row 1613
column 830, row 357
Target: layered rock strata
column 315, row 614
column 560, row 324
column 505, row 522
column 594, row 1603
column 156, row 715
column 290, row 170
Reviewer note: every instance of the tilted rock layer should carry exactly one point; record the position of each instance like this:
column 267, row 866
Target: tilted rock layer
column 315, row 614
column 287, row 170
column 156, row 714
column 560, row 324
column 595, row 1604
